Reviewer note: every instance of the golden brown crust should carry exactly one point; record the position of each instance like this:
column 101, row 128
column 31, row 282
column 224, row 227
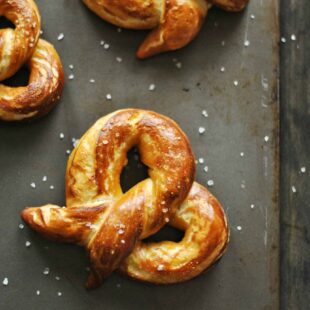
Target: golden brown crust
column 43, row 90
column 20, row 46
column 175, row 22
column 17, row 45
column 112, row 224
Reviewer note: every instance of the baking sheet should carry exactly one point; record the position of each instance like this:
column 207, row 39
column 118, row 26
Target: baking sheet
column 239, row 147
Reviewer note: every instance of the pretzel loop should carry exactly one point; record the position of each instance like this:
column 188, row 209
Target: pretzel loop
column 112, row 224
column 22, row 46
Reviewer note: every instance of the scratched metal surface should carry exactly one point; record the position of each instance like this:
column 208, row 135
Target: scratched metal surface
column 239, row 117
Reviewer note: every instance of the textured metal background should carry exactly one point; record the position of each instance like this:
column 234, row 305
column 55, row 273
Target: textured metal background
column 239, row 119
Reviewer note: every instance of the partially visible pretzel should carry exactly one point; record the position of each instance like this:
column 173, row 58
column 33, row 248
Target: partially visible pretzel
column 112, row 224
column 175, row 22
column 21, row 46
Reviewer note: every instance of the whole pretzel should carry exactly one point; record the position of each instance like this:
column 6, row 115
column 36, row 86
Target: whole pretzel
column 175, row 22
column 21, row 46
column 112, row 224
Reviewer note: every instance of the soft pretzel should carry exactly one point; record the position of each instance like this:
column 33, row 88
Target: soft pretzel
column 175, row 22
column 17, row 45
column 112, row 224
column 21, row 46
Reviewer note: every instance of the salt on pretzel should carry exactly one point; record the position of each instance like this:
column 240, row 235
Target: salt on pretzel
column 175, row 22
column 17, row 45
column 21, row 46
column 112, row 224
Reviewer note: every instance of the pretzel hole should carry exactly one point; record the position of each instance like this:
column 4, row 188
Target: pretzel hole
column 5, row 23
column 19, row 79
column 134, row 172
column 167, row 233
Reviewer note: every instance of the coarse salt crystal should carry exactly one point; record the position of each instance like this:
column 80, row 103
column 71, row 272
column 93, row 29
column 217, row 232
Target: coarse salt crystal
column 71, row 76
column 46, row 271
column 33, row 185
column 60, row 37
column 44, row 179
column 61, row 135
column 201, row 130
column 178, row 65
column 160, row 267
column 28, row 244
column 152, row 87
column 205, row 113
column 21, row 226
column 210, row 182
column 246, row 43
column 201, row 160
column 109, row 96
column 294, row 189
column 303, row 169
column 5, row 281
column 236, row 83
column 239, row 228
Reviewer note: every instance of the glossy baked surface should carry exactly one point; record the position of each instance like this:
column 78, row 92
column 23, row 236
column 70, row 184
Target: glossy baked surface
column 112, row 224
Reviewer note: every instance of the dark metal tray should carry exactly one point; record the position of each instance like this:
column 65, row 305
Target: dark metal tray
column 239, row 146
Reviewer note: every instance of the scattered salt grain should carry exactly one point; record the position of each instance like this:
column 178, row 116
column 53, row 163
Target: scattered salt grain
column 178, row 65
column 60, row 37
column 266, row 138
column 152, row 87
column 21, row 226
column 44, row 179
column 38, row 292
column 59, row 294
column 71, row 76
column 303, row 169
column 5, row 281
column 293, row 37
column 201, row 130
column 294, row 189
column 61, row 135
column 201, row 160
column 109, row 97
column 210, row 182
column 205, row 113
column 236, row 83
column 246, row 43
column 239, row 228
column 28, row 244
column 33, row 185
column 46, row 271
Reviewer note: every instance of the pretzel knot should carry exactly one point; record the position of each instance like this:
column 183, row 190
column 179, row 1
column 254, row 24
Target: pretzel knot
column 175, row 22
column 22, row 46
column 112, row 224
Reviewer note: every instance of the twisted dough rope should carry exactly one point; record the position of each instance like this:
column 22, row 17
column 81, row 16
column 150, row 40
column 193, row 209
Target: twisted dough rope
column 112, row 224
column 22, row 45
column 176, row 22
